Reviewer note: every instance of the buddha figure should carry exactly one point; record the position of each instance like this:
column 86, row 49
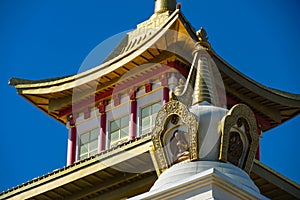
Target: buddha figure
column 180, row 146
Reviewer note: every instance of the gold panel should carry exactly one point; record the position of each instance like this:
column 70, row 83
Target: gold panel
column 233, row 118
column 168, row 112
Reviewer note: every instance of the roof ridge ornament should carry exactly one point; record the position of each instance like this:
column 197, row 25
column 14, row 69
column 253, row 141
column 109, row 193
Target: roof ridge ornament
column 203, row 38
column 164, row 5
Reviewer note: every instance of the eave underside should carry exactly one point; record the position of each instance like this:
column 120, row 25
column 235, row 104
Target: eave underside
column 269, row 114
column 271, row 107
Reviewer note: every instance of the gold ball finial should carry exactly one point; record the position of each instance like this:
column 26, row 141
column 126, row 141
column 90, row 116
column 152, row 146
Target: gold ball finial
column 202, row 37
column 164, row 5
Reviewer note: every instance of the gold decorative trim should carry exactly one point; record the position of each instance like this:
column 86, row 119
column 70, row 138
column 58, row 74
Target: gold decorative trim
column 233, row 117
column 165, row 114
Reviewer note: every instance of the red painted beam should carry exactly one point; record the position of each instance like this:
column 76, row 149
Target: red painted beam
column 118, row 88
column 72, row 150
column 145, row 77
column 85, row 103
column 179, row 67
column 102, row 131
column 133, row 117
column 166, row 91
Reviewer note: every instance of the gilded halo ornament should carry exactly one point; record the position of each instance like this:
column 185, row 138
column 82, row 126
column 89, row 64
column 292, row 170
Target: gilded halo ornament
column 239, row 139
column 175, row 135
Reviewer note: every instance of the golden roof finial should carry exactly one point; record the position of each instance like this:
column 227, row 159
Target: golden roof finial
column 164, row 5
column 203, row 38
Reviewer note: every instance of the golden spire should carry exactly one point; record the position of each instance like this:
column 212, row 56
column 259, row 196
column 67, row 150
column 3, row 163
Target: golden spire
column 204, row 88
column 164, row 5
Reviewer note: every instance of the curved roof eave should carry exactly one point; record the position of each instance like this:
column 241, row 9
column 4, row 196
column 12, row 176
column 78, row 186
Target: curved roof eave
column 64, row 83
column 278, row 96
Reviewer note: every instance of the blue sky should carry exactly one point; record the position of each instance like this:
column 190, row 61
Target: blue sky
column 44, row 39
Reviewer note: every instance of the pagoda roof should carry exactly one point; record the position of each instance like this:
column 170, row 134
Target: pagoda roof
column 54, row 96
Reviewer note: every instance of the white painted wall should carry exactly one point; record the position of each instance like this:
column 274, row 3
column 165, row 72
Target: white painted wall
column 85, row 125
column 115, row 112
